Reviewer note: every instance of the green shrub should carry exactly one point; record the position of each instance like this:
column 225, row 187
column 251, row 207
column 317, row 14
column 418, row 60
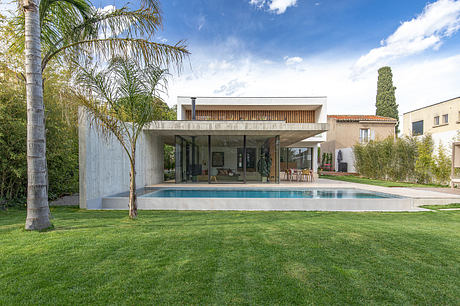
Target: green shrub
column 61, row 137
column 404, row 159
column 424, row 164
column 442, row 166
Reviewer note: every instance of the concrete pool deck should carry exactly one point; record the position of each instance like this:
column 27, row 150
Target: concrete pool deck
column 411, row 199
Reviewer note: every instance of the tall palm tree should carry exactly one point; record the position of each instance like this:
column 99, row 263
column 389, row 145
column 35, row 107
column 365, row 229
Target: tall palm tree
column 120, row 100
column 61, row 29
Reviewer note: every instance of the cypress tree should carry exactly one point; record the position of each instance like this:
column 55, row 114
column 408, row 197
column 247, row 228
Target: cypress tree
column 386, row 101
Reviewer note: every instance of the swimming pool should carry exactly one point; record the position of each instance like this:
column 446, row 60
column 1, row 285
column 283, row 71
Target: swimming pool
column 303, row 193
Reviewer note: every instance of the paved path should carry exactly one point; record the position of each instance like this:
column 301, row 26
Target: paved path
column 72, row 200
column 455, row 191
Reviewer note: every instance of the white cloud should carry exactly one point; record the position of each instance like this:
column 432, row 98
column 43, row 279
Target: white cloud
column 292, row 60
column 106, row 31
column 201, row 22
column 231, row 88
column 220, row 65
column 276, row 6
column 107, row 9
column 418, row 82
column 162, row 39
column 438, row 20
column 8, row 8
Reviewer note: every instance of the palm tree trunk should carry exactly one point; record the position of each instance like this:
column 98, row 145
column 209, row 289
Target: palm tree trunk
column 37, row 185
column 132, row 185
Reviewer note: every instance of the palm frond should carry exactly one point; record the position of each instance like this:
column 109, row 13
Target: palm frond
column 119, row 97
column 154, row 53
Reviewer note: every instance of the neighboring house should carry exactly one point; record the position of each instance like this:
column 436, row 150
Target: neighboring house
column 217, row 140
column 347, row 130
column 441, row 120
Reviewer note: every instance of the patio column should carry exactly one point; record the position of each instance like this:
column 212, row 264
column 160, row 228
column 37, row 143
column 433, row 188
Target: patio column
column 244, row 159
column 209, row 159
column 278, row 159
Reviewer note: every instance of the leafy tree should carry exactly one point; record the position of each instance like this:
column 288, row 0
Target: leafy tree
column 169, row 158
column 387, row 159
column 120, row 100
column 60, row 29
column 61, row 132
column 404, row 159
column 442, row 165
column 386, row 101
column 424, row 163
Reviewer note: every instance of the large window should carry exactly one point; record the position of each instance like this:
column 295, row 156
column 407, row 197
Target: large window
column 192, row 159
column 417, row 128
column 227, row 159
column 364, row 135
column 258, row 148
column 445, row 119
column 296, row 158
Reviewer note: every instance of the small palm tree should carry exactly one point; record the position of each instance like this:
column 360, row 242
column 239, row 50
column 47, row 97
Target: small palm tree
column 74, row 29
column 120, row 100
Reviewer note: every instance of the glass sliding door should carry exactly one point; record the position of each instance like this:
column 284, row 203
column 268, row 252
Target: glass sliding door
column 192, row 159
column 262, row 155
column 227, row 163
column 227, row 159
column 296, row 158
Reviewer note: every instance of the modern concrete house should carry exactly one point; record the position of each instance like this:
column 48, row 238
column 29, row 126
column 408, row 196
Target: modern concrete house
column 347, row 130
column 441, row 120
column 217, row 139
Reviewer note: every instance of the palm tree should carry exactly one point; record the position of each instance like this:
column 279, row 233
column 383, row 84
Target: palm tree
column 120, row 100
column 72, row 29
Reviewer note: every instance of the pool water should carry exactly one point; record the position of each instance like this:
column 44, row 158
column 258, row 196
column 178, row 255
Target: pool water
column 308, row 193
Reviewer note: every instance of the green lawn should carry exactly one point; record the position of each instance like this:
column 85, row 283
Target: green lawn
column 437, row 207
column 363, row 180
column 180, row 257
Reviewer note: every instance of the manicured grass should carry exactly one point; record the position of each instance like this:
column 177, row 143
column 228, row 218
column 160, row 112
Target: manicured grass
column 184, row 257
column 363, row 180
column 436, row 207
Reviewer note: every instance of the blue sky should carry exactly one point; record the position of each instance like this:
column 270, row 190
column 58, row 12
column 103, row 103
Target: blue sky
column 308, row 28
column 330, row 48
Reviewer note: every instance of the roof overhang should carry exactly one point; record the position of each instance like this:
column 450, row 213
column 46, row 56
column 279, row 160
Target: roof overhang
column 289, row 133
column 379, row 121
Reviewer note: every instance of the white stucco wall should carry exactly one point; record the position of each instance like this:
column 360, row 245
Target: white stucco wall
column 444, row 138
column 104, row 165
column 348, row 157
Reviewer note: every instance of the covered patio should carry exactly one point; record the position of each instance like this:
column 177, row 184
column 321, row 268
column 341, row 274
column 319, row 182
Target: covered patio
column 234, row 152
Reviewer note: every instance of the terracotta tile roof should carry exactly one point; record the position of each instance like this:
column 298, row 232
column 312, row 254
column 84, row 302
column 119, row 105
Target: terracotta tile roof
column 361, row 118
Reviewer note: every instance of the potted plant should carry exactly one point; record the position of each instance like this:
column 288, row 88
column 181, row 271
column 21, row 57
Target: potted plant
column 263, row 166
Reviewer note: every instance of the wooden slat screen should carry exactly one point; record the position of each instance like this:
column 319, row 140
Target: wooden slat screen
column 298, row 116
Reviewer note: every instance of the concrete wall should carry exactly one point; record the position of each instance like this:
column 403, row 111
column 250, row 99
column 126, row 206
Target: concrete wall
column 153, row 154
column 104, row 165
column 427, row 114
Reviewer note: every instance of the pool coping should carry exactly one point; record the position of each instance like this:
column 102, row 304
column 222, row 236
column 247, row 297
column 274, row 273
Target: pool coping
column 411, row 199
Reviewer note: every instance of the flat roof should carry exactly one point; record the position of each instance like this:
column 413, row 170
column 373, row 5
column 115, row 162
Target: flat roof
column 252, row 97
column 248, row 103
column 431, row 105
column 289, row 133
